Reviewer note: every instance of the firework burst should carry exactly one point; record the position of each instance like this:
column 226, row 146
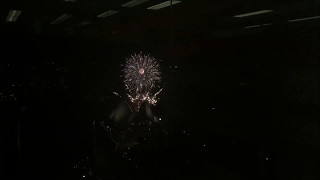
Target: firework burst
column 142, row 78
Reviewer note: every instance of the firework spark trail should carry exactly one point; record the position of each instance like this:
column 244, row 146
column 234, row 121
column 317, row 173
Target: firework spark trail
column 141, row 78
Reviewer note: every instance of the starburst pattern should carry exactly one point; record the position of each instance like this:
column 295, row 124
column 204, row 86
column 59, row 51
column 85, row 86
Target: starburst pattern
column 142, row 77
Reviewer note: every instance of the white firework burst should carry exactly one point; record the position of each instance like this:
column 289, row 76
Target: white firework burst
column 142, row 77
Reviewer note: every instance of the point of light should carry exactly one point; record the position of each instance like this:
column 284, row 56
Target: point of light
column 163, row 5
column 61, row 19
column 134, row 3
column 267, row 24
column 107, row 13
column 253, row 13
column 254, row 26
column 258, row 25
column 13, row 15
column 304, row 19
column 117, row 94
column 141, row 71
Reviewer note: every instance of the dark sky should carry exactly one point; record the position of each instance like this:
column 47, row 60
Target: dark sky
column 237, row 102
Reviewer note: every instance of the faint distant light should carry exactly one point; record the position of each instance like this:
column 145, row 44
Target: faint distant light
column 134, row 3
column 83, row 176
column 253, row 13
column 117, row 94
column 254, row 26
column 61, row 19
column 176, row 67
column 267, row 158
column 204, row 145
column 107, row 13
column 70, row 0
column 163, row 5
column 83, row 23
column 304, row 19
column 213, row 108
column 13, row 15
column 159, row 119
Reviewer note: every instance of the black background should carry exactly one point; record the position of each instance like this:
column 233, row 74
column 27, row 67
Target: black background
column 237, row 103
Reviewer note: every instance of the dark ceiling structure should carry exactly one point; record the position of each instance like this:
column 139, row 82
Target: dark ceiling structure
column 216, row 16
column 183, row 26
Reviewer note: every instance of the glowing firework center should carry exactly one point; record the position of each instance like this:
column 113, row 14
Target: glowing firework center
column 142, row 78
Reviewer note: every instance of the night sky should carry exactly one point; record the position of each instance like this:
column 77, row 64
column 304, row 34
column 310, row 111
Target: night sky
column 238, row 102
